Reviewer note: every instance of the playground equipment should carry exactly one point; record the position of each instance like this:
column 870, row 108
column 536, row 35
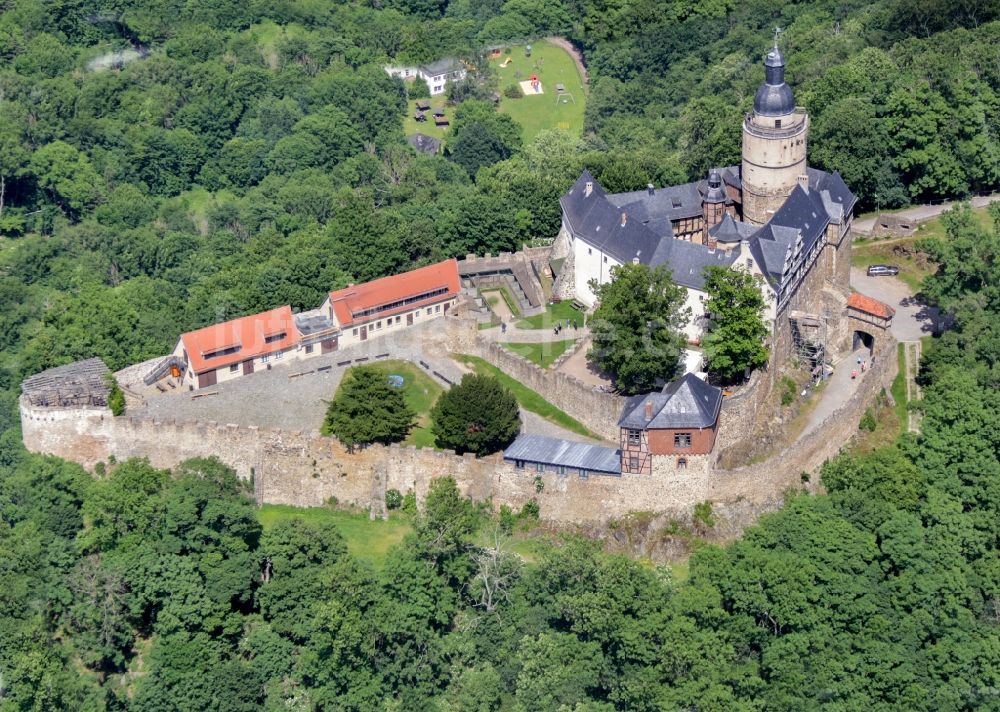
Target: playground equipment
column 503, row 64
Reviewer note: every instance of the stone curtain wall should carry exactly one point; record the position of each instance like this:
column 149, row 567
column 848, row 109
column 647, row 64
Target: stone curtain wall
column 597, row 410
column 807, row 454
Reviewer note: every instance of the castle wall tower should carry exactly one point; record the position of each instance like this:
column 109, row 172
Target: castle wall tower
column 774, row 144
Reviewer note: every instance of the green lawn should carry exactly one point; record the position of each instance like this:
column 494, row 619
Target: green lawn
column 366, row 539
column 411, row 125
column 544, row 354
column 420, row 392
column 537, row 112
column 559, row 312
column 527, row 398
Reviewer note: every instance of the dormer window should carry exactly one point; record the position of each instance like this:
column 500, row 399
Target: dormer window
column 777, row 123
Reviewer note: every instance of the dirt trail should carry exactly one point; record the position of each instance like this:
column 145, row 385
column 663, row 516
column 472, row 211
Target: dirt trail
column 574, row 53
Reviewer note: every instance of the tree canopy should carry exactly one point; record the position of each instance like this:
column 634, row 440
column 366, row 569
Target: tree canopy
column 637, row 328
column 735, row 330
column 477, row 415
column 368, row 409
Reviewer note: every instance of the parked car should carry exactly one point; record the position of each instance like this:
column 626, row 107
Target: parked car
column 882, row 270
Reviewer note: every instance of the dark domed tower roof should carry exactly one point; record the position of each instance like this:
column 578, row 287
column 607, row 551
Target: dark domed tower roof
column 774, row 97
column 715, row 193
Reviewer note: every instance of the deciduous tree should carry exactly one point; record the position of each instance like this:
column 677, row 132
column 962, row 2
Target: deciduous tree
column 735, row 328
column 637, row 328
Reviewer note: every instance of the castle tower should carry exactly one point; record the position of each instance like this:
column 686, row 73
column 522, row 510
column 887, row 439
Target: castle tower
column 774, row 144
column 713, row 207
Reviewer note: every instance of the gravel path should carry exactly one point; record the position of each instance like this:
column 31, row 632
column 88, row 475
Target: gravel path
column 913, row 317
column 920, row 213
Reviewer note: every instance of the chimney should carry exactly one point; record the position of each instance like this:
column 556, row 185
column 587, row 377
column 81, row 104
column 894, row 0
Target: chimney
column 624, row 218
column 588, row 189
column 650, row 189
column 649, row 410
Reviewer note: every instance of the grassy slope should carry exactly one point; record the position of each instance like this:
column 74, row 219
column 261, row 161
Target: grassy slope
column 538, row 112
column 528, row 399
column 369, row 540
column 533, row 113
column 420, row 393
column 543, row 354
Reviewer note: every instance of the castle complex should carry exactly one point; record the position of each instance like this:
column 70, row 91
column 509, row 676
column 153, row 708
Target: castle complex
column 771, row 215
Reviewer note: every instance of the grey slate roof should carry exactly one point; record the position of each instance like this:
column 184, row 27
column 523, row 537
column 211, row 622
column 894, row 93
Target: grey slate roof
column 687, row 261
column 555, row 451
column 598, row 221
column 441, row 66
column 731, row 230
column 424, row 143
column 688, row 402
column 647, row 235
column 774, row 96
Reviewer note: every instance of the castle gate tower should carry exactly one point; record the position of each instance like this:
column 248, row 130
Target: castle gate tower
column 774, row 144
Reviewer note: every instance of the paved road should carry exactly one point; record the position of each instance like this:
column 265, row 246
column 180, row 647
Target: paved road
column 838, row 389
column 913, row 318
column 920, row 213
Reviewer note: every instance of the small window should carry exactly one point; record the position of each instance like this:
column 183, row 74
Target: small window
column 429, row 311
column 605, row 259
column 309, row 348
column 590, row 251
column 354, row 332
column 540, row 466
column 437, row 308
column 234, row 368
column 519, row 464
column 280, row 354
column 682, row 441
column 682, row 463
column 777, row 123
column 584, row 474
column 749, row 263
column 378, row 325
column 398, row 319
column 561, row 470
column 635, row 437
column 274, row 337
column 633, row 464
column 265, row 358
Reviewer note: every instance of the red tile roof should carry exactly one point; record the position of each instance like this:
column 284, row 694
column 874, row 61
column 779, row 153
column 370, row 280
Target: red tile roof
column 248, row 335
column 390, row 293
column 871, row 306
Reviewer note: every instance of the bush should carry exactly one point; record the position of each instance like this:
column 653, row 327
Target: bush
column 393, row 499
column 868, row 421
column 788, row 391
column 477, row 415
column 116, row 398
column 539, row 483
column 409, row 503
column 513, row 92
column 507, row 519
column 530, row 511
column 418, row 89
column 703, row 514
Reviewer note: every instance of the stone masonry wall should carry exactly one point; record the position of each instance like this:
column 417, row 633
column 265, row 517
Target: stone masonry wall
column 597, row 410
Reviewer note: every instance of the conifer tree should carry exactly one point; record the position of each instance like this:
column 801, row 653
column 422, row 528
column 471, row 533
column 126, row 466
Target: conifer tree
column 478, row 415
column 368, row 410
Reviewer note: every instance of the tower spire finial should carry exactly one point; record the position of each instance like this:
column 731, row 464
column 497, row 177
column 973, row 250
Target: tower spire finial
column 777, row 31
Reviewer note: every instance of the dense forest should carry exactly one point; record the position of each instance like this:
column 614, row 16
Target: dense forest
column 164, row 165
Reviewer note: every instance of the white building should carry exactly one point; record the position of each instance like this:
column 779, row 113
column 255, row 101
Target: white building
column 436, row 75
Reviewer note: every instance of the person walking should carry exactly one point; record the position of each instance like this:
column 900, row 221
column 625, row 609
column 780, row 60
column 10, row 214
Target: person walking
column 863, row 366
column 854, row 374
